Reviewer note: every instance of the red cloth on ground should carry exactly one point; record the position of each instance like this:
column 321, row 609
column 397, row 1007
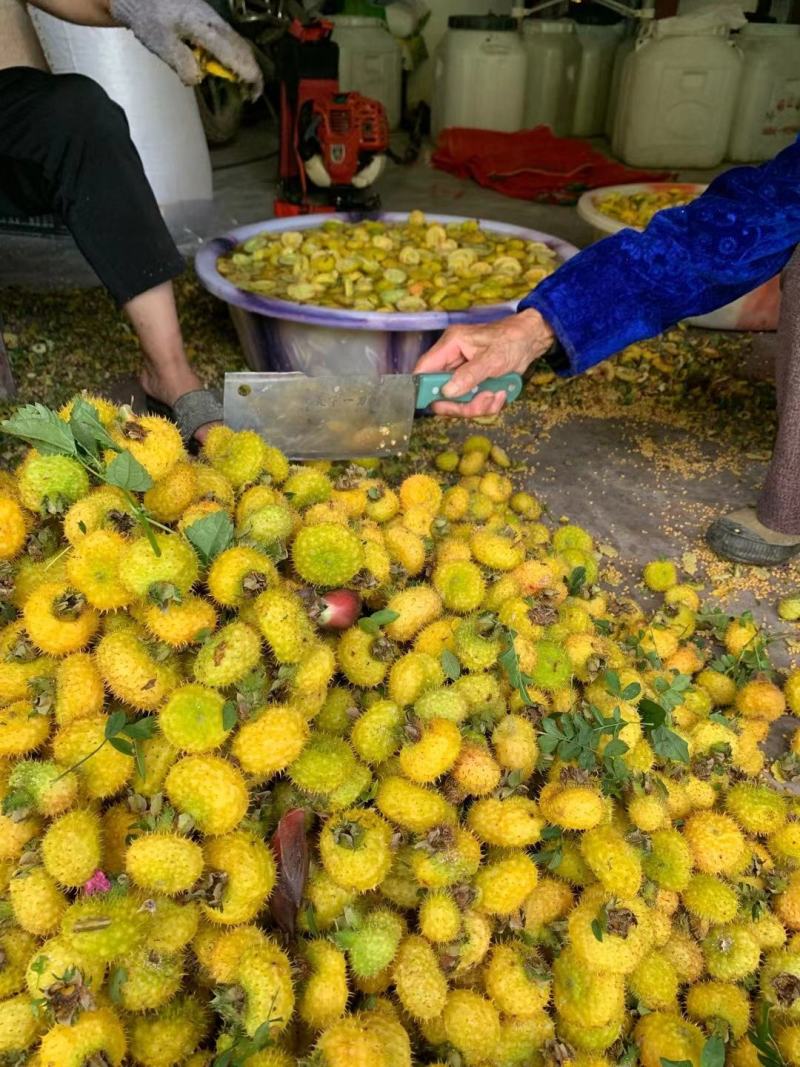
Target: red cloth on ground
column 532, row 164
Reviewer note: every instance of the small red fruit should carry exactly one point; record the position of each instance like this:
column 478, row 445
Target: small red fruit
column 335, row 610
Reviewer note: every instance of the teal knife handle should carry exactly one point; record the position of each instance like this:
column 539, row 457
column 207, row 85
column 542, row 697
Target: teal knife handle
column 429, row 388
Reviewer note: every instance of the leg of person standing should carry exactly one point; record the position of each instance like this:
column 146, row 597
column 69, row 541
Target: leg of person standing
column 65, row 147
column 769, row 534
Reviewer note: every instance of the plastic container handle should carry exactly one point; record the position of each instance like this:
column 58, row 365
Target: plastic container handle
column 429, row 388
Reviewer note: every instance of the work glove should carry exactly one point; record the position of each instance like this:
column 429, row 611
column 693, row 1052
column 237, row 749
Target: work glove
column 169, row 28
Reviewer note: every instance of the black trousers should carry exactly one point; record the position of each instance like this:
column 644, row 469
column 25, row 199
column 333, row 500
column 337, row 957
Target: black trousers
column 65, row 149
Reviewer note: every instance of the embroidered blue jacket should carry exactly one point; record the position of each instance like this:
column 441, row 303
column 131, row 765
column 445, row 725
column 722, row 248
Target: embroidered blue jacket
column 689, row 260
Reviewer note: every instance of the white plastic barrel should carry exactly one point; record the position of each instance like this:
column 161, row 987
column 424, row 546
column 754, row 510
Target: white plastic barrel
column 370, row 62
column 677, row 96
column 598, row 46
column 767, row 115
column 553, row 53
column 479, row 75
column 162, row 112
column 621, row 53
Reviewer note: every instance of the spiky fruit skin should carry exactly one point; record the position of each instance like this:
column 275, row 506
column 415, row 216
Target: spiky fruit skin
column 21, row 730
column 416, row 607
column 584, row 997
column 36, row 901
column 502, row 884
column 13, row 528
column 716, row 842
column 211, row 790
column 779, row 983
column 615, row 954
column 249, row 870
column 433, row 754
column 104, row 927
column 180, row 624
column 238, row 574
column 159, row 755
column 442, row 703
column 731, row 952
column 669, row 861
column 93, row 569
column 164, row 862
column 447, row 862
column 265, row 975
column 573, row 807
column 412, row 676
column 132, row 673
column 284, row 624
column 79, row 688
column 52, row 960
column 107, row 771
column 476, row 771
column 168, row 1037
column 439, row 917
column 141, row 569
column 172, row 925
column 324, row 996
column 57, row 632
column 419, row 982
column 324, row 765
column 48, row 484
column 375, row 735
column 709, row 1001
column 327, row 555
column 372, row 944
column 191, row 720
column 471, row 1024
column 151, row 980
column 660, row 575
column 662, row 1035
column 71, row 848
column 18, row 947
column 328, row 899
column 366, row 1039
column 152, row 440
column 355, row 848
column 461, row 586
column 270, row 743
column 305, row 486
column 228, row 656
column 411, row 806
column 612, row 860
column 19, row 1027
column 514, row 982
column 654, row 983
column 710, row 899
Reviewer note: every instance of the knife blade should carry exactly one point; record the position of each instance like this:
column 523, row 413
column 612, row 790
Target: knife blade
column 333, row 417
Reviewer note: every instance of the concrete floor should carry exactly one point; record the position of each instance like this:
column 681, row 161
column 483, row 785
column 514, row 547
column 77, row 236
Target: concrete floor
column 594, row 471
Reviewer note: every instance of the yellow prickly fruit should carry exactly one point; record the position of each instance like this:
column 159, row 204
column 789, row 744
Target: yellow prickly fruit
column 269, row 743
column 439, row 917
column 433, row 753
column 420, row 985
column 59, row 620
column 516, row 980
column 471, row 1024
column 416, row 607
column 209, row 789
column 79, row 692
column 164, row 862
column 324, row 996
column 247, row 868
column 513, row 822
column 665, row 1035
column 716, row 842
column 36, row 901
column 612, row 860
column 574, row 807
column 71, row 850
column 504, row 882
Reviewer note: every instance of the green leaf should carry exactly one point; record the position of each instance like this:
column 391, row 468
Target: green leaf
column 631, row 691
column 576, row 580
column 116, row 981
column 614, row 748
column 115, row 723
column 138, row 759
column 140, row 729
column 43, row 429
column 88, row 430
column 611, row 679
column 597, row 930
column 652, row 714
column 667, row 744
column 713, row 1054
column 229, row 715
column 675, row 1063
column 211, row 535
column 450, row 665
column 372, row 624
column 121, row 745
column 126, row 472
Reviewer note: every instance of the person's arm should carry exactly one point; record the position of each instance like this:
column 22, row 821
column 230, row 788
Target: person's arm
column 83, row 12
column 689, row 260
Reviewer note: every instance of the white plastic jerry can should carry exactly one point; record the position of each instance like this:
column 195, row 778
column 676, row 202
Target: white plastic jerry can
column 767, row 114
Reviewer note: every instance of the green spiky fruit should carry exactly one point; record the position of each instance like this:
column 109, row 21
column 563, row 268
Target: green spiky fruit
column 42, row 786
column 355, row 847
column 265, row 976
column 552, row 669
column 49, row 484
column 324, row 765
column 419, row 982
column 668, row 862
column 460, row 585
column 269, row 525
column 192, row 719
column 172, row 572
column 284, row 623
column 327, row 555
column 71, row 848
column 307, row 485
column 209, row 789
column 148, row 979
column 228, row 656
column 164, row 862
column 477, row 648
column 169, row 1036
column 757, row 808
column 371, row 944
column 105, row 926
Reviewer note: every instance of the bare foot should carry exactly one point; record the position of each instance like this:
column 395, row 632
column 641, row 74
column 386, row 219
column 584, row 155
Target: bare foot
column 169, row 387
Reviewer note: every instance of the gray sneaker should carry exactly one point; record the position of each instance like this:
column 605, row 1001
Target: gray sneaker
column 741, row 538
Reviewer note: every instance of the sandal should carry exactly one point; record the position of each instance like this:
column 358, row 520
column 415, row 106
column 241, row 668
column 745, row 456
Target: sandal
column 190, row 411
column 737, row 537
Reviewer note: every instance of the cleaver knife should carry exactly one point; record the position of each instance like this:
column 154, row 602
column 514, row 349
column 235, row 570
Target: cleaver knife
column 329, row 417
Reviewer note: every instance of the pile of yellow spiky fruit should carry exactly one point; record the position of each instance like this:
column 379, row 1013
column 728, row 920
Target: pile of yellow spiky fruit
column 537, row 821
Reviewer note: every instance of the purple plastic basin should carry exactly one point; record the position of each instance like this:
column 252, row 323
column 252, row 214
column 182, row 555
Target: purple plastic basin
column 279, row 335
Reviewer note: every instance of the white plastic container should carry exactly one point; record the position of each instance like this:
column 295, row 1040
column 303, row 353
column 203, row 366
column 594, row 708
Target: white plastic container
column 479, row 75
column 621, row 53
column 554, row 55
column 676, row 97
column 162, row 113
column 757, row 310
column 767, row 115
column 598, row 46
column 370, row 62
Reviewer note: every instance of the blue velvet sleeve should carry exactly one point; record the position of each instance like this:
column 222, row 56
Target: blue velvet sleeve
column 689, row 260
